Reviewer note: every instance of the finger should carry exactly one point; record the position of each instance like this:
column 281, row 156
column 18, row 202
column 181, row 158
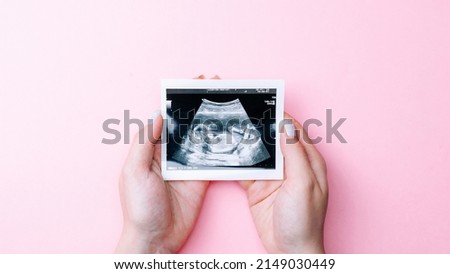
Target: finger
column 143, row 148
column 216, row 77
column 201, row 77
column 311, row 150
column 316, row 160
column 246, row 184
column 296, row 162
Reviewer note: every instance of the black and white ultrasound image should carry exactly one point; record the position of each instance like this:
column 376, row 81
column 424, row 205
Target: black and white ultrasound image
column 210, row 129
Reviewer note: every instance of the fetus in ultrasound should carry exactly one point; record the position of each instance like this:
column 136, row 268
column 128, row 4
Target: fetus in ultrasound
column 221, row 134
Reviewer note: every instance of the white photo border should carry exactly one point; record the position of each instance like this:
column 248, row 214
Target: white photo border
column 248, row 173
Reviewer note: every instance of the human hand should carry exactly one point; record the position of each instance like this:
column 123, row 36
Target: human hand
column 289, row 214
column 158, row 215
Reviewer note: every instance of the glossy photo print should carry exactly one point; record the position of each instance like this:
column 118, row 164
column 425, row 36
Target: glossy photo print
column 226, row 129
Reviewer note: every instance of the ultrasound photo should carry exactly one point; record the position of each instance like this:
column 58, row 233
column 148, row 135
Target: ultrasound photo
column 231, row 130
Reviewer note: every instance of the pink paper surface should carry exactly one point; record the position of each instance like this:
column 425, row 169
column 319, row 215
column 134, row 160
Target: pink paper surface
column 66, row 66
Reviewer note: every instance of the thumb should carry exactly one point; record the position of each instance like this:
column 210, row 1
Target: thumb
column 296, row 160
column 143, row 148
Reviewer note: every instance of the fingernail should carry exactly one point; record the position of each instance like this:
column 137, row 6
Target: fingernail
column 155, row 114
column 290, row 130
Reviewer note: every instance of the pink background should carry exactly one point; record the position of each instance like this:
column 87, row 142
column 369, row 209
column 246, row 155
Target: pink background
column 66, row 66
